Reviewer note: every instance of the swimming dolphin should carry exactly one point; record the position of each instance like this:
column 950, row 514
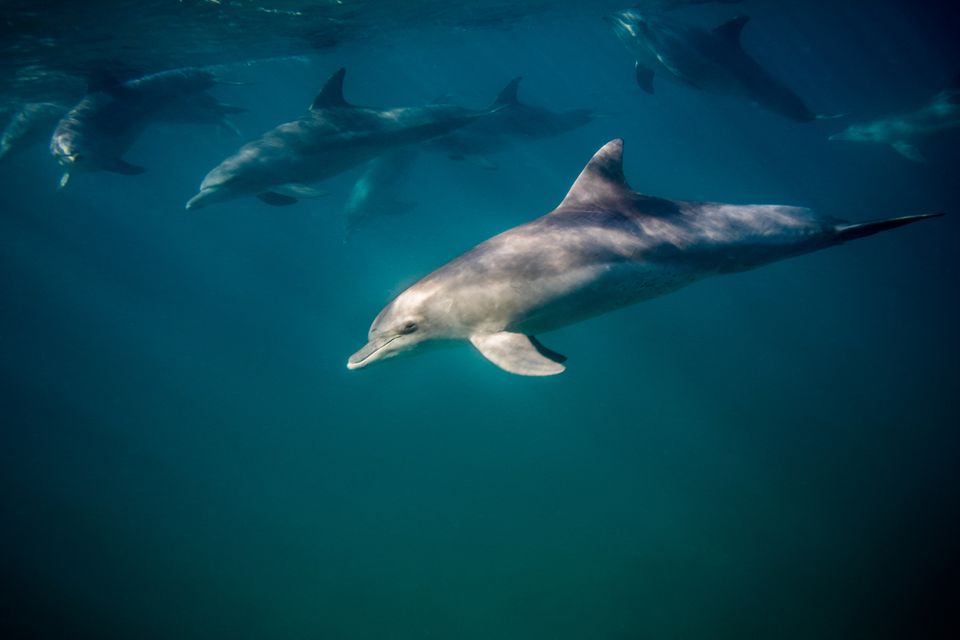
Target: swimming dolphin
column 906, row 131
column 516, row 122
column 378, row 191
column 31, row 123
column 605, row 247
column 332, row 137
column 712, row 61
column 96, row 133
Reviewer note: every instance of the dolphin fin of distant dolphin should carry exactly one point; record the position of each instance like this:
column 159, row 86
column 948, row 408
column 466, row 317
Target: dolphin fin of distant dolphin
column 508, row 95
column 644, row 77
column 519, row 354
column 909, row 151
column 730, row 30
column 276, row 199
column 332, row 93
column 123, row 167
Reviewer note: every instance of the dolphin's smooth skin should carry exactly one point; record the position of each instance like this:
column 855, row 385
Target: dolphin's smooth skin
column 605, row 247
column 713, row 61
column 332, row 137
column 31, row 123
column 907, row 132
column 96, row 133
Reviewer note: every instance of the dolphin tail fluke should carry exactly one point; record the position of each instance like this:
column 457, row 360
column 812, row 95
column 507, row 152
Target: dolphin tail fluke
column 829, row 116
column 847, row 232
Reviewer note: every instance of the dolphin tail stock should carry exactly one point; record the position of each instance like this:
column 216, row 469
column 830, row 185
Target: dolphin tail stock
column 853, row 231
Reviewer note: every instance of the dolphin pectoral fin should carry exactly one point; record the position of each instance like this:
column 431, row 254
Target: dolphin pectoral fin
column 518, row 353
column 123, row 167
column 276, row 199
column 299, row 191
column 644, row 78
column 909, row 151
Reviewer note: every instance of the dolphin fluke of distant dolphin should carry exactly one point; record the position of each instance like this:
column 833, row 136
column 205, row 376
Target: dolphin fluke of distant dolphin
column 96, row 133
column 708, row 60
column 281, row 166
column 907, row 132
column 605, row 247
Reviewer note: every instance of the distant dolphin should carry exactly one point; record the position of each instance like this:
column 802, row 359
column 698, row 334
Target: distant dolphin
column 31, row 123
column 377, row 191
column 906, row 131
column 516, row 122
column 96, row 133
column 712, row 61
column 332, row 137
column 605, row 247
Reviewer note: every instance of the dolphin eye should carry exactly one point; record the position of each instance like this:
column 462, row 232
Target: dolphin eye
column 410, row 327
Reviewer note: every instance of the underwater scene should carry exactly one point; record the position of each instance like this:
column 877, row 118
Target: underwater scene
column 371, row 319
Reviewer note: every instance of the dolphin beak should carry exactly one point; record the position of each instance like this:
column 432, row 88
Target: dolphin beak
column 371, row 352
column 199, row 201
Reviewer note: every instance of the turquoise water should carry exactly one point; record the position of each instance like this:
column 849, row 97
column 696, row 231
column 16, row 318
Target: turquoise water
column 770, row 454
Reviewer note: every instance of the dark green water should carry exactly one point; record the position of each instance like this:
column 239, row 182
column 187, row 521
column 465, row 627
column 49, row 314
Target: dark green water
column 183, row 453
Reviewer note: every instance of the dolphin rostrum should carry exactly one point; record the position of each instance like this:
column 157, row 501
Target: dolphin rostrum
column 332, row 137
column 96, row 133
column 605, row 247
column 712, row 61
column 906, row 131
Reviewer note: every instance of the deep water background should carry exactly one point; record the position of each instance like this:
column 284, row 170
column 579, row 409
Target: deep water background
column 769, row 455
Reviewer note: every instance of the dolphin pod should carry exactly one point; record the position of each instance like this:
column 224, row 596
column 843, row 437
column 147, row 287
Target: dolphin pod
column 603, row 248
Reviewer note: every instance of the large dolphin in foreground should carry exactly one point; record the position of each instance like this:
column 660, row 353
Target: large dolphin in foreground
column 96, row 133
column 605, row 247
column 333, row 136
column 905, row 132
column 712, row 61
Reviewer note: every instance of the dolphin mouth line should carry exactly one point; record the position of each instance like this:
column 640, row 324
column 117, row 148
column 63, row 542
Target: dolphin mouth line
column 356, row 364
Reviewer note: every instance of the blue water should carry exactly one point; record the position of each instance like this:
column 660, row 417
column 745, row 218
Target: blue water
column 765, row 455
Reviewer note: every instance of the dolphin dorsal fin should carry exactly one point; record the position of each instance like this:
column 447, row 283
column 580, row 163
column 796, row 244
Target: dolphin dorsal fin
column 332, row 93
column 730, row 31
column 508, row 95
column 601, row 181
